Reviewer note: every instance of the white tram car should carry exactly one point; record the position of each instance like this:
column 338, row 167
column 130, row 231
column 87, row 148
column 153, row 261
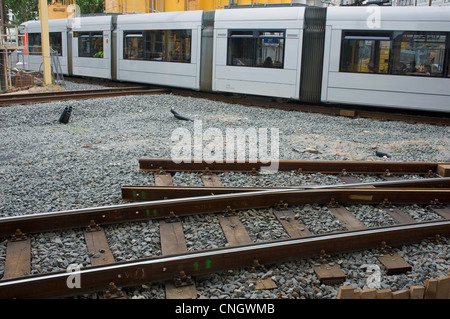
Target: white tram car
column 58, row 31
column 390, row 57
column 409, row 48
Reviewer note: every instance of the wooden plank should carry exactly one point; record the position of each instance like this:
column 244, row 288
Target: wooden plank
column 346, row 218
column 400, row 216
column 292, row 226
column 234, row 230
column 389, row 177
column 443, row 288
column 18, row 259
column 401, row 294
column 370, row 293
column 443, row 211
column 163, row 179
column 232, row 227
column 384, row 294
column 267, row 283
column 348, row 113
column 430, row 288
column 443, row 170
column 394, row 264
column 172, row 238
column 174, row 242
column 101, row 254
column 211, row 180
column 184, row 292
column 97, row 245
column 416, row 292
column 329, row 274
column 346, row 292
column 349, row 179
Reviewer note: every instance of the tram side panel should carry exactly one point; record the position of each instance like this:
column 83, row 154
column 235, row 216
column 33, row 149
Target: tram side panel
column 91, row 47
column 160, row 48
column 58, row 31
column 258, row 51
column 402, row 62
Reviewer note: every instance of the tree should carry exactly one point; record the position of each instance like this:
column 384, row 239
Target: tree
column 90, row 6
column 23, row 10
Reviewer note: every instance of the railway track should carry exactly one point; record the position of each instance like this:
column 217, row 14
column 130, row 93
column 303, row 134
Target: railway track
column 352, row 111
column 128, row 89
column 169, row 205
column 29, row 98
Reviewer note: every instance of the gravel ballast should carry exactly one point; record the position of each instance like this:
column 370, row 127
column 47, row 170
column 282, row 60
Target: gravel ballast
column 47, row 166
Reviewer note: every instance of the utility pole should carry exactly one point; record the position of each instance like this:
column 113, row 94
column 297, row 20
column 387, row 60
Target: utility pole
column 45, row 42
column 3, row 78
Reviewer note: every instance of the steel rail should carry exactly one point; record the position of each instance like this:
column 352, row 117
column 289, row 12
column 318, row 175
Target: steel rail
column 157, row 269
column 70, row 95
column 304, row 166
column 158, row 209
column 147, row 193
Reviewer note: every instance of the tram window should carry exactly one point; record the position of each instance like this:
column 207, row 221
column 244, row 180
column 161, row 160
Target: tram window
column 256, row 48
column 34, row 43
column 133, row 44
column 90, row 44
column 177, row 46
column 365, row 53
column 158, row 45
column 56, row 42
column 419, row 53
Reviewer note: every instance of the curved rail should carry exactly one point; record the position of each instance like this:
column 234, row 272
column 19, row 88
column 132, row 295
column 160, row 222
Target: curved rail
column 184, row 201
column 157, row 269
column 176, row 207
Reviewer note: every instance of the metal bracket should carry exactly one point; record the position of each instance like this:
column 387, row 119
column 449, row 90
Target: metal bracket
column 18, row 236
column 323, row 256
column 172, row 218
column 229, row 212
column 333, row 203
column 344, row 172
column 386, row 203
column 387, row 173
column 281, row 205
column 438, row 238
column 182, row 280
column 113, row 292
column 160, row 170
column 93, row 226
column 430, row 174
column 436, row 203
column 206, row 171
column 256, row 265
column 384, row 248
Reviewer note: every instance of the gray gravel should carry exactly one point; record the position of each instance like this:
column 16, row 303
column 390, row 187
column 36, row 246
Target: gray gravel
column 46, row 166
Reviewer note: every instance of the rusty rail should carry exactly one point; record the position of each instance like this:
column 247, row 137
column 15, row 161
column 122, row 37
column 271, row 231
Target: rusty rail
column 333, row 167
column 98, row 278
column 27, row 98
column 215, row 204
column 199, row 200
column 148, row 193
